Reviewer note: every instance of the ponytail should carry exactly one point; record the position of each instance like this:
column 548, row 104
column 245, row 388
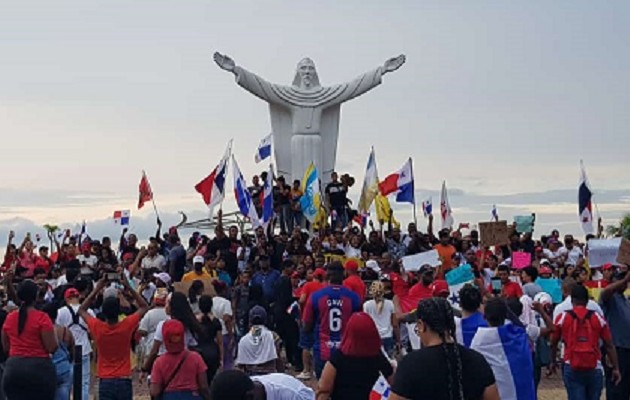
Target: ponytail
column 377, row 290
column 27, row 293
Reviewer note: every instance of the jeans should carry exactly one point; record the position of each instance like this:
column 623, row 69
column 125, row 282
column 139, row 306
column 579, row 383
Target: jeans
column 85, row 377
column 318, row 364
column 583, row 385
column 389, row 346
column 621, row 391
column 228, row 353
column 20, row 381
column 286, row 218
column 64, row 386
column 297, row 218
column 182, row 395
column 341, row 218
column 115, row 389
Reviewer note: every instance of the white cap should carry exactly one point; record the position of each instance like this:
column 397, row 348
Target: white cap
column 164, row 277
column 198, row 260
column 545, row 261
column 373, row 265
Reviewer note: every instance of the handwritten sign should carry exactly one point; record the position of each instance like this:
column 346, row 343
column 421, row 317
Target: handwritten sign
column 493, row 233
column 624, row 252
column 414, row 262
column 183, row 287
column 521, row 259
column 525, row 223
column 603, row 251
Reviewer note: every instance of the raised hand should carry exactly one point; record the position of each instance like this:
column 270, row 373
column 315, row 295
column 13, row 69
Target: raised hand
column 224, row 61
column 394, row 63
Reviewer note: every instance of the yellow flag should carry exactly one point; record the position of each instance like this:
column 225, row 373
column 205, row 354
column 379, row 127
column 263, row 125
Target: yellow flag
column 384, row 210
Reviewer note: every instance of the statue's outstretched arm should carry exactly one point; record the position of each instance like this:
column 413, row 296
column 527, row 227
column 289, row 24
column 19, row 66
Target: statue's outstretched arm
column 248, row 80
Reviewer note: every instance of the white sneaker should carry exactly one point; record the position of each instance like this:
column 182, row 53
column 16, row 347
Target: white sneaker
column 304, row 376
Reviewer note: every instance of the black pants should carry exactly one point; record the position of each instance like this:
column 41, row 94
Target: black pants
column 621, row 391
column 28, row 378
column 289, row 332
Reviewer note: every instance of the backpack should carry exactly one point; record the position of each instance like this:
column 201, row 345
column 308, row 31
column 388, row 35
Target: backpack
column 584, row 351
column 76, row 320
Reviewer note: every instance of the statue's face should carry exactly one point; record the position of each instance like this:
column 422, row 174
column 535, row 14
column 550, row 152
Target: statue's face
column 306, row 69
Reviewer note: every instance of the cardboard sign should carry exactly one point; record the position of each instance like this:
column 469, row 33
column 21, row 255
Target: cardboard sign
column 414, row 262
column 603, row 251
column 183, row 287
column 328, row 258
column 493, row 233
column 521, row 259
column 624, row 252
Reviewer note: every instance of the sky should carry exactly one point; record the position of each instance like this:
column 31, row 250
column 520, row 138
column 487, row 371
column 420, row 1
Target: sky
column 500, row 99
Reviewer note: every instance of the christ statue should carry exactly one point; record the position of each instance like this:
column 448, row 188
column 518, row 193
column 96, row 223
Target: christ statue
column 305, row 115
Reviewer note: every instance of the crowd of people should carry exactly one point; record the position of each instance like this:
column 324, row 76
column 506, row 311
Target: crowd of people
column 290, row 312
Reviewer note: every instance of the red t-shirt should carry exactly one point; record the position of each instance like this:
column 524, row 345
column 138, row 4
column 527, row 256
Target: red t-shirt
column 420, row 291
column 510, row 289
column 564, row 328
column 399, row 286
column 29, row 343
column 113, row 343
column 311, row 287
column 186, row 377
column 42, row 263
column 354, row 283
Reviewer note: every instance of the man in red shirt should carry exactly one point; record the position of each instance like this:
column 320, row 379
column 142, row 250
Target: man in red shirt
column 508, row 288
column 581, row 330
column 353, row 281
column 113, row 341
column 306, row 338
column 424, row 288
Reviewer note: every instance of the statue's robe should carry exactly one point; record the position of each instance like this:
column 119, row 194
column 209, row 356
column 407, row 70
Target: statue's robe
column 305, row 122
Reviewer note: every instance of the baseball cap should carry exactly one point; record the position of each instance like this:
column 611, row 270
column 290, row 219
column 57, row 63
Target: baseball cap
column 257, row 315
column 198, row 260
column 173, row 334
column 319, row 272
column 351, row 265
column 545, row 261
column 70, row 293
column 110, row 292
column 163, row 276
column 373, row 265
column 606, row 267
column 440, row 288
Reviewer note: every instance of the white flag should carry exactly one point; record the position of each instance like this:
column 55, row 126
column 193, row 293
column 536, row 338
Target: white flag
column 445, row 209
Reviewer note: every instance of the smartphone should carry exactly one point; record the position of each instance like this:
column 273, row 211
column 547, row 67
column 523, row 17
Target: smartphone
column 496, row 285
column 112, row 276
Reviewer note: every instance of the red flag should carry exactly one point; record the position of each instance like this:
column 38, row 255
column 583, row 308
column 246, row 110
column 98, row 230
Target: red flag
column 145, row 191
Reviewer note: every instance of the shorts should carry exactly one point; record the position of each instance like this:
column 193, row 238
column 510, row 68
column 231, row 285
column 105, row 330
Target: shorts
column 307, row 340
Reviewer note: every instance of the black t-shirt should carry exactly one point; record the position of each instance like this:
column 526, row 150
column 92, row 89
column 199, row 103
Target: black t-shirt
column 423, row 374
column 255, row 192
column 356, row 376
column 374, row 249
column 337, row 194
column 282, row 196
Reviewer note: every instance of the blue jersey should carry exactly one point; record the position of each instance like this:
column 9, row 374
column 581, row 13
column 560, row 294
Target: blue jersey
column 329, row 310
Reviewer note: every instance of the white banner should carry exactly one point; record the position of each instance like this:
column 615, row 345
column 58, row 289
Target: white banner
column 603, row 251
column 414, row 262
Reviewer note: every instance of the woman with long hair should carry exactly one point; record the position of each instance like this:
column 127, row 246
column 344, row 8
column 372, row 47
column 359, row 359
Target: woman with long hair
column 352, row 371
column 62, row 358
column 28, row 336
column 194, row 293
column 211, row 345
column 177, row 307
column 442, row 369
column 382, row 312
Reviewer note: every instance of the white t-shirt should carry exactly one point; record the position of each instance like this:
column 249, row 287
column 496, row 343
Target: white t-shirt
column 352, row 252
column 566, row 306
column 573, row 256
column 188, row 338
column 80, row 335
column 158, row 262
column 284, row 387
column 243, row 263
column 221, row 307
column 383, row 320
column 90, row 261
column 149, row 324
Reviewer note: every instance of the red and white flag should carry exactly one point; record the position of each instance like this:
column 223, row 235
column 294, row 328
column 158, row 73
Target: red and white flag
column 145, row 192
column 212, row 187
column 381, row 389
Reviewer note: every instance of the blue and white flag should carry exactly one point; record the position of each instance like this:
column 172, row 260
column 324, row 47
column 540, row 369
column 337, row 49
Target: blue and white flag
column 264, row 149
column 456, row 279
column 243, row 197
column 267, row 200
column 122, row 217
column 466, row 328
column 427, row 207
column 507, row 350
column 311, row 199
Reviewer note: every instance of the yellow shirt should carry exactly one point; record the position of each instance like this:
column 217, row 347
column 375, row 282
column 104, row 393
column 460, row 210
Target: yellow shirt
column 193, row 276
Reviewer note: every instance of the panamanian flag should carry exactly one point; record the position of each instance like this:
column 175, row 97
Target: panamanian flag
column 264, row 149
column 122, row 217
column 381, row 389
column 585, row 207
column 212, row 187
column 400, row 182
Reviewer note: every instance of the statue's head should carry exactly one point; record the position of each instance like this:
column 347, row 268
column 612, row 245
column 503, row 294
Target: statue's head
column 306, row 75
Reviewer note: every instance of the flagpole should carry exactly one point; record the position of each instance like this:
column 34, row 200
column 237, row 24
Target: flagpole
column 157, row 215
column 413, row 190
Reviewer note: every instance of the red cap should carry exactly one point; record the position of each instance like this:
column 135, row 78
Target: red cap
column 295, row 275
column 173, row 335
column 319, row 273
column 70, row 292
column 351, row 265
column 440, row 288
column 606, row 267
column 544, row 270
